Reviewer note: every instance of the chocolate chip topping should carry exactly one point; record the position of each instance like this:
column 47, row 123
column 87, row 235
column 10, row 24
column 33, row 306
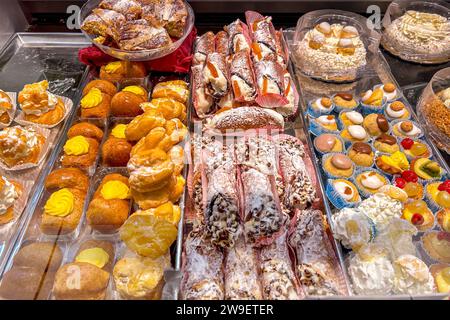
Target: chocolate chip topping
column 382, row 123
column 385, row 138
column 345, row 96
column 361, row 147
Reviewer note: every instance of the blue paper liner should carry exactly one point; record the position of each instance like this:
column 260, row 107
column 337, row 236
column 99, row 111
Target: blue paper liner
column 316, row 112
column 394, row 123
column 361, row 189
column 328, row 174
column 323, row 153
column 368, row 109
column 336, row 199
column 316, row 129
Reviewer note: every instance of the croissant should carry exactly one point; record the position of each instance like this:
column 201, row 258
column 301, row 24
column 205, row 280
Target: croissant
column 87, row 130
column 168, row 107
column 103, row 85
column 108, row 215
column 140, row 126
column 103, row 22
column 67, row 178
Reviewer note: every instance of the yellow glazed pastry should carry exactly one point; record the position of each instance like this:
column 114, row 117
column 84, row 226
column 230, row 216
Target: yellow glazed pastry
column 95, row 256
column 443, row 218
column 393, row 164
column 60, row 203
column 437, row 245
column 167, row 211
column 115, row 189
column 439, row 194
column 76, row 146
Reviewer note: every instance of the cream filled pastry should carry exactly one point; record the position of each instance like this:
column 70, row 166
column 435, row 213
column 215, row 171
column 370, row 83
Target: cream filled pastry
column 397, row 110
column 35, row 99
column 398, row 237
column 389, row 91
column 357, row 132
column 412, row 276
column 355, row 117
column 353, row 228
column 371, row 271
column 406, row 128
column 20, row 145
column 346, row 190
column 381, row 209
column 8, row 195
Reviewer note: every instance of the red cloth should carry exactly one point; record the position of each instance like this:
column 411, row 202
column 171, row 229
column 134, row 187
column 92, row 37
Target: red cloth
column 178, row 61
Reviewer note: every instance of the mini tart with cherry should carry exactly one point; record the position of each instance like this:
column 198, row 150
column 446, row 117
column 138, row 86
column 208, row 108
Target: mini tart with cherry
column 437, row 245
column 392, row 164
column 415, row 148
column 438, row 193
column 443, row 219
column 426, row 169
column 441, row 275
column 418, row 213
column 408, row 182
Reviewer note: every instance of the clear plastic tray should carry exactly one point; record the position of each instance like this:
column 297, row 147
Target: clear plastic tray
column 411, row 33
column 143, row 55
column 328, row 65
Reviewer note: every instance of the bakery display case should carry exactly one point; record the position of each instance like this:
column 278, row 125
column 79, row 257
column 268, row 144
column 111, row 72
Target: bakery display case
column 146, row 158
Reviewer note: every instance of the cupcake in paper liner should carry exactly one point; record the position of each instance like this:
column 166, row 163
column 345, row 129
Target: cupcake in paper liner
column 323, row 124
column 328, row 142
column 419, row 214
column 396, row 110
column 386, row 143
column 392, row 164
column 362, row 154
column 373, row 101
column 441, row 275
column 410, row 183
column 390, row 91
column 414, row 148
column 8, row 108
column 369, row 181
column 349, row 118
column 320, row 106
column 342, row 193
column 443, row 219
column 436, row 246
column 376, row 124
column 354, row 133
column 353, row 228
column 406, row 129
column 337, row 165
column 427, row 170
column 344, row 101
column 437, row 195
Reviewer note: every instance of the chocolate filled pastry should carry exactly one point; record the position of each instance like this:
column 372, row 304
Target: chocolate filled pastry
column 120, row 70
column 126, row 103
column 203, row 102
column 62, row 212
column 222, row 43
column 87, row 130
column 242, row 77
column 103, row 22
column 242, row 280
column 215, row 75
column 19, row 145
column 277, row 276
column 140, row 35
column 244, row 118
column 222, row 209
column 298, row 187
column 98, row 253
column 43, row 256
column 116, row 149
column 317, row 268
column 202, row 271
column 103, row 85
column 129, row 8
column 203, row 47
column 91, row 285
column 110, row 205
column 238, row 36
column 67, row 178
column 80, row 152
column 10, row 191
column 95, row 104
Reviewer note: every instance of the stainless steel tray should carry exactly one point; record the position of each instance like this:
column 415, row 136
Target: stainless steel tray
column 308, row 87
column 31, row 57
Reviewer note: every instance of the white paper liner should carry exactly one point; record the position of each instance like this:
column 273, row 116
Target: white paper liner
column 19, row 204
column 11, row 113
column 68, row 105
column 47, row 144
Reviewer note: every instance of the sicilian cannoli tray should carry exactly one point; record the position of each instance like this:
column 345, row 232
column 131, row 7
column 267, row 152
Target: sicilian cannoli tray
column 385, row 185
column 254, row 223
column 36, row 105
column 105, row 223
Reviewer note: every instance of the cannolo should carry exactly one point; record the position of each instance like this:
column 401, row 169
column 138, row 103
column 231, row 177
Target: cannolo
column 222, row 208
column 265, row 42
column 242, row 77
column 203, row 102
column 222, row 43
column 258, row 152
column 244, row 118
column 242, row 280
column 204, row 46
column 298, row 189
column 277, row 276
column 202, row 270
column 238, row 36
column 270, row 84
column 317, row 268
column 216, row 75
column 289, row 110
column 263, row 218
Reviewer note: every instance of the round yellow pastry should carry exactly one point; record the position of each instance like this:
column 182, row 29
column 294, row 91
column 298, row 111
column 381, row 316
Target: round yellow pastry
column 92, row 99
column 115, row 189
column 76, row 146
column 60, row 203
